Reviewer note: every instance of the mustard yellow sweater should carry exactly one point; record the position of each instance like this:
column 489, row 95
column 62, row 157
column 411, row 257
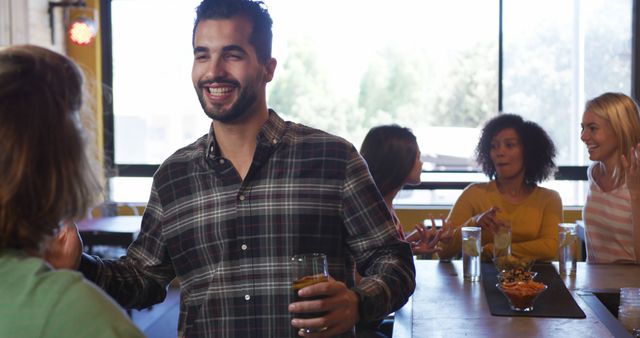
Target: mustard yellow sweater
column 534, row 221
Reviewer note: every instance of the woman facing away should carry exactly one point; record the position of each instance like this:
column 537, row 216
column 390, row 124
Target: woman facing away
column 393, row 157
column 611, row 133
column 516, row 155
column 46, row 179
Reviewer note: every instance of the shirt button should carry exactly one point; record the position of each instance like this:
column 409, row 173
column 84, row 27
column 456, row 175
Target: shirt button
column 211, row 149
column 247, row 297
column 244, row 247
column 241, row 197
column 221, row 161
column 274, row 141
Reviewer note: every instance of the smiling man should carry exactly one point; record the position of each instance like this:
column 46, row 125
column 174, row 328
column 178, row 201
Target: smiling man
column 227, row 212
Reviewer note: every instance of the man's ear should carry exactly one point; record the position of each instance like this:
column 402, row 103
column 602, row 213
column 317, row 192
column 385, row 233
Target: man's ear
column 269, row 69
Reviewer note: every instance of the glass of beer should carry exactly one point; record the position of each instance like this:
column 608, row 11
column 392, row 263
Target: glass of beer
column 308, row 269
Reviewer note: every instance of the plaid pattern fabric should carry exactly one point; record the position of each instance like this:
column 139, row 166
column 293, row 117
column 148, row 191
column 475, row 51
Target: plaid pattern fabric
column 229, row 240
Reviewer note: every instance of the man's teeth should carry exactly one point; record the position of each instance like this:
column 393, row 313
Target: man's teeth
column 219, row 91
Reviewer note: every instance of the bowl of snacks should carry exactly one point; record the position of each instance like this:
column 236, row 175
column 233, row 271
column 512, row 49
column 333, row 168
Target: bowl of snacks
column 510, row 262
column 516, row 275
column 521, row 295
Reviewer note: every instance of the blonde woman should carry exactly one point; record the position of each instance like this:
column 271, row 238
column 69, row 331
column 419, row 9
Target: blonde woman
column 611, row 132
column 46, row 179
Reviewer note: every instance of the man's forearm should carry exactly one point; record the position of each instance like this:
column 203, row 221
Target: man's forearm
column 124, row 285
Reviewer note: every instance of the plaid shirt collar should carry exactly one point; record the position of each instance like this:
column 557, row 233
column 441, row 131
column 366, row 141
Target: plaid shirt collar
column 269, row 137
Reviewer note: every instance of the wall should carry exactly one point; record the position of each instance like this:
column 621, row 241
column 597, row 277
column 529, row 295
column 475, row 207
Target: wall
column 27, row 22
column 13, row 22
column 89, row 57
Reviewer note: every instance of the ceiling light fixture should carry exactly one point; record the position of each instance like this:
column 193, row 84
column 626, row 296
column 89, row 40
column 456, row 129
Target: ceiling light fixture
column 82, row 31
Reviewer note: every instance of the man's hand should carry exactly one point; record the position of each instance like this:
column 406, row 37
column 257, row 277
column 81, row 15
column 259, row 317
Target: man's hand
column 65, row 248
column 340, row 307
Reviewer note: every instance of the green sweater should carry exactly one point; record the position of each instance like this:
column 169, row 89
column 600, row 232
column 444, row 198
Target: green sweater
column 534, row 221
column 36, row 301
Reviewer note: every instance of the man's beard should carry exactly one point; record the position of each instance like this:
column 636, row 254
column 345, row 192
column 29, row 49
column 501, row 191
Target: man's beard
column 239, row 110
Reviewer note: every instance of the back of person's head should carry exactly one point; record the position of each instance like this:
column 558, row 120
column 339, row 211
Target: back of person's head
column 390, row 152
column 261, row 35
column 538, row 149
column 622, row 112
column 45, row 172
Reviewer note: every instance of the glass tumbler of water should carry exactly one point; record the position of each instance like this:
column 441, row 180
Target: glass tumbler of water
column 567, row 249
column 629, row 309
column 502, row 239
column 471, row 249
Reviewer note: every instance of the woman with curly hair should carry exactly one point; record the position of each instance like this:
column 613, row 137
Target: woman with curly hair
column 516, row 155
column 611, row 133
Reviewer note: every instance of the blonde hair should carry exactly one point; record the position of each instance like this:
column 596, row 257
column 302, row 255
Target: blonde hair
column 46, row 172
column 622, row 113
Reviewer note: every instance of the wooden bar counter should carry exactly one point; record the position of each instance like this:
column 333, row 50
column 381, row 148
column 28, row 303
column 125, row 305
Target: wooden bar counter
column 444, row 305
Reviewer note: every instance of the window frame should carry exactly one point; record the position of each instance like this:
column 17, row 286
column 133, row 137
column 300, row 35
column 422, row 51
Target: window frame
column 571, row 173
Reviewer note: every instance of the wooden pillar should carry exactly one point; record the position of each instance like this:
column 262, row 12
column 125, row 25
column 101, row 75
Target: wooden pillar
column 89, row 57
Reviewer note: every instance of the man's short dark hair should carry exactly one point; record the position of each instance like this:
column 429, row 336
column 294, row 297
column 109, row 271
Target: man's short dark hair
column 255, row 11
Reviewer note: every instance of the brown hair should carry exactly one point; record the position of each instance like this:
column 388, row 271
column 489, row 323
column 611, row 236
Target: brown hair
column 46, row 174
column 390, row 152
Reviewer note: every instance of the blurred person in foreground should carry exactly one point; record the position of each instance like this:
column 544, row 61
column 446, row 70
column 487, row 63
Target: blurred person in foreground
column 516, row 155
column 47, row 180
column 227, row 212
column 611, row 214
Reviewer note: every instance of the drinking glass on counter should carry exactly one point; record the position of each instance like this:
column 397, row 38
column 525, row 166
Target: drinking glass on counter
column 567, row 249
column 629, row 310
column 471, row 249
column 308, row 269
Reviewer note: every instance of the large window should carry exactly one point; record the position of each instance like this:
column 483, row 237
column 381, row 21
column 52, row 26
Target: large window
column 439, row 67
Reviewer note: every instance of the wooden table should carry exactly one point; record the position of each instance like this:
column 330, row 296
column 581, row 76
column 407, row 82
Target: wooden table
column 118, row 231
column 444, row 305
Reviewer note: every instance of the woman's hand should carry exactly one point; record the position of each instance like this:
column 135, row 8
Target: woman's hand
column 447, row 231
column 427, row 242
column 488, row 219
column 631, row 167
